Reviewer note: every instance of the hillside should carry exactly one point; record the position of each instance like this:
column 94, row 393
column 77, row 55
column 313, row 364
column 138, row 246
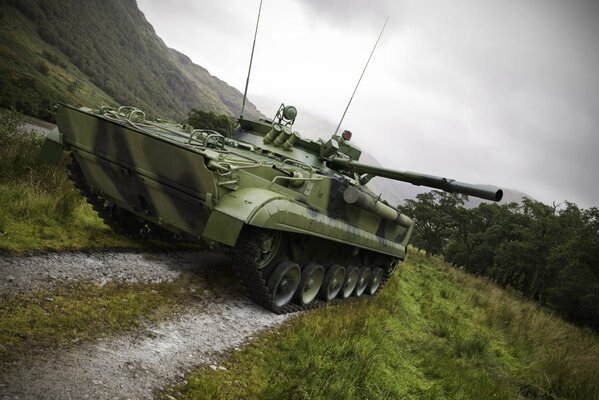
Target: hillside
column 434, row 332
column 97, row 54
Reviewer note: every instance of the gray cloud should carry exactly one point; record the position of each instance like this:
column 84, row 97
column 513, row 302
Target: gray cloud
column 495, row 92
column 352, row 14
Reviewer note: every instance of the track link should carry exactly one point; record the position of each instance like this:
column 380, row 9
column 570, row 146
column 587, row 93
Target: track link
column 254, row 281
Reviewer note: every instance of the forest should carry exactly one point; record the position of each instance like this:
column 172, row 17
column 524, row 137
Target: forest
column 548, row 253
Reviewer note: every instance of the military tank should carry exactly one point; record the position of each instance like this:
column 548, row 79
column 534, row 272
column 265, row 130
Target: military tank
column 296, row 215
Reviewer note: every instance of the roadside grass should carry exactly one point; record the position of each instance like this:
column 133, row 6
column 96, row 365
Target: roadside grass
column 67, row 315
column 433, row 333
column 32, row 219
column 39, row 207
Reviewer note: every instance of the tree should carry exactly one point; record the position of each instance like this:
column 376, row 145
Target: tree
column 209, row 120
column 435, row 214
column 575, row 265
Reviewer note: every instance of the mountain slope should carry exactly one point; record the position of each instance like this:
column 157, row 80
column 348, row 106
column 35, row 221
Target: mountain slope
column 213, row 88
column 98, row 53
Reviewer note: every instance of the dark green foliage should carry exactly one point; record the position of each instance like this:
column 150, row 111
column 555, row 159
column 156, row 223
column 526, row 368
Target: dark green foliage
column 42, row 68
column 209, row 120
column 434, row 213
column 548, row 253
column 54, row 59
column 27, row 93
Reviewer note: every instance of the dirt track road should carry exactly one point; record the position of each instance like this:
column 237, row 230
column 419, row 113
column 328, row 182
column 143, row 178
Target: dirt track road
column 127, row 367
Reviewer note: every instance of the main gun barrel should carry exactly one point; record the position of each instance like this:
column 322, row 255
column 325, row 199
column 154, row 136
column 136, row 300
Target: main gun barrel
column 448, row 185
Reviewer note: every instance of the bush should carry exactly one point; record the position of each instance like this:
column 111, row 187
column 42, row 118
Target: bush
column 10, row 125
column 209, row 120
column 42, row 68
column 19, row 167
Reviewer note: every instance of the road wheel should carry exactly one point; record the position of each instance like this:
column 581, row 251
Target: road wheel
column 283, row 282
column 363, row 280
column 333, row 281
column 351, row 280
column 310, row 283
column 375, row 281
column 269, row 248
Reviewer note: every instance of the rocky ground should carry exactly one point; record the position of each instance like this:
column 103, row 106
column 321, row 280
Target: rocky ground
column 127, row 367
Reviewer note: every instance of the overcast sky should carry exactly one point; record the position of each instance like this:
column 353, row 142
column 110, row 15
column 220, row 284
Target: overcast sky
column 499, row 92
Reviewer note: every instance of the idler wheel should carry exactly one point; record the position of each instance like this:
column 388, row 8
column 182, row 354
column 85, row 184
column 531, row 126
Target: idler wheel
column 363, row 280
column 269, row 248
column 283, row 282
column 375, row 281
column 351, row 280
column 310, row 283
column 333, row 281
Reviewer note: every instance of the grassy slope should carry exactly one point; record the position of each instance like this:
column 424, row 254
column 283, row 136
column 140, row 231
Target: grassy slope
column 35, row 220
column 434, row 333
column 56, row 217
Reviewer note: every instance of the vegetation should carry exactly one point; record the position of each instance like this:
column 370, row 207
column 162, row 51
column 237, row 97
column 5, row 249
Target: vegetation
column 548, row 253
column 433, row 333
column 41, row 210
column 436, row 214
column 65, row 315
column 209, row 120
column 103, row 54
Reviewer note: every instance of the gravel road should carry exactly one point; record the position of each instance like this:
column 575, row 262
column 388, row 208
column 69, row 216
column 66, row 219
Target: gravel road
column 21, row 274
column 127, row 367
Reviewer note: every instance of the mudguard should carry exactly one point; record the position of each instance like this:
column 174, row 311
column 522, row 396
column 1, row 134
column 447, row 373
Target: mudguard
column 267, row 209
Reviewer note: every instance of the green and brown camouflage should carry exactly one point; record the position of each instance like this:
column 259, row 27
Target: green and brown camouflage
column 283, row 203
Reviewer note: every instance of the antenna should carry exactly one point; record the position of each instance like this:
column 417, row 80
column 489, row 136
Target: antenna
column 247, row 81
column 359, row 80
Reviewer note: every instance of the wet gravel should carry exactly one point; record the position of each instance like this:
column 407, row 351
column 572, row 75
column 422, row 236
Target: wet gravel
column 22, row 274
column 135, row 366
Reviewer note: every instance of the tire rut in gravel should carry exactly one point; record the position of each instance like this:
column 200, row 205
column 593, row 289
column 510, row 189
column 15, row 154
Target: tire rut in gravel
column 137, row 365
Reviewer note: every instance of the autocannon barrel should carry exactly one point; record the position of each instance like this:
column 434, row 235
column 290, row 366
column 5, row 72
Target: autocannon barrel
column 448, row 185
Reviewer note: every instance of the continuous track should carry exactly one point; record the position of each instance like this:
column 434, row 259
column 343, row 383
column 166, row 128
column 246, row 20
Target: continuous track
column 254, row 281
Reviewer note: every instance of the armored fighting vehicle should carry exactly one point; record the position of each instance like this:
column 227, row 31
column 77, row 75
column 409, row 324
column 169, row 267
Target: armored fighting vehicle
column 299, row 222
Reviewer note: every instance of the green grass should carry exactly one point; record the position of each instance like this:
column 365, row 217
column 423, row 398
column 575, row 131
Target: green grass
column 433, row 333
column 36, row 220
column 66, row 315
